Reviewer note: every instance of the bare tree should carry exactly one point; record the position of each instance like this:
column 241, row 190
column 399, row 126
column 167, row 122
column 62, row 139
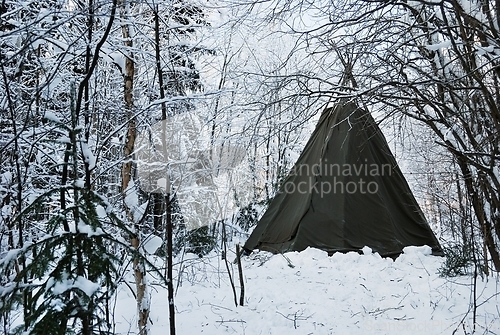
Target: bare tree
column 435, row 63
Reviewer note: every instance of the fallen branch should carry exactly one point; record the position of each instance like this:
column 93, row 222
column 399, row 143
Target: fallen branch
column 228, row 321
column 379, row 311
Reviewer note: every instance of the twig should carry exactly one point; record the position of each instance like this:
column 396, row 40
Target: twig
column 296, row 317
column 380, row 311
column 224, row 243
column 227, row 321
column 217, row 306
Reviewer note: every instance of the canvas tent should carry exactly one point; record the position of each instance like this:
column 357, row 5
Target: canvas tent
column 345, row 192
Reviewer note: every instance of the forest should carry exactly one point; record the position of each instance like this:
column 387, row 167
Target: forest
column 141, row 141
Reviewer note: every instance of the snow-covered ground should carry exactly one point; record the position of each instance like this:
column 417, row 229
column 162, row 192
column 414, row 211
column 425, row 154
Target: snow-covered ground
column 311, row 293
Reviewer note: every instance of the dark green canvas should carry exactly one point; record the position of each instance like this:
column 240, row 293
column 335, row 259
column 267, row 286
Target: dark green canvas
column 368, row 203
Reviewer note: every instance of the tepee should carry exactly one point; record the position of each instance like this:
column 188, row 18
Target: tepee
column 345, row 192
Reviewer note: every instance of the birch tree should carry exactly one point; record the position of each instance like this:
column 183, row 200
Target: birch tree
column 61, row 272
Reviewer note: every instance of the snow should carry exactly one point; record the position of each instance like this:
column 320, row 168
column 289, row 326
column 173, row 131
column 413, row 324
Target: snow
column 9, row 256
column 88, row 156
column 86, row 229
column 51, row 117
column 412, row 250
column 437, row 46
column 6, row 178
column 366, row 250
column 496, row 172
column 101, row 212
column 152, row 243
column 6, row 210
column 63, row 139
column 86, row 285
column 79, row 183
column 132, row 202
column 12, row 254
column 164, row 184
column 115, row 140
column 60, row 286
column 449, row 135
column 481, row 50
column 312, row 293
column 115, row 57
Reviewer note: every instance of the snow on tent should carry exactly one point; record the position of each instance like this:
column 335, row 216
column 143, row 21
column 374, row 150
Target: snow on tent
column 345, row 192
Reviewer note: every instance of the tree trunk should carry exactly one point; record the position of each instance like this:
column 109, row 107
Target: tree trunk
column 479, row 210
column 170, row 282
column 127, row 170
column 159, row 199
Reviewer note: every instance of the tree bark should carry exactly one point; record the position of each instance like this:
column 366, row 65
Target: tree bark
column 127, row 169
column 170, row 282
column 240, row 272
